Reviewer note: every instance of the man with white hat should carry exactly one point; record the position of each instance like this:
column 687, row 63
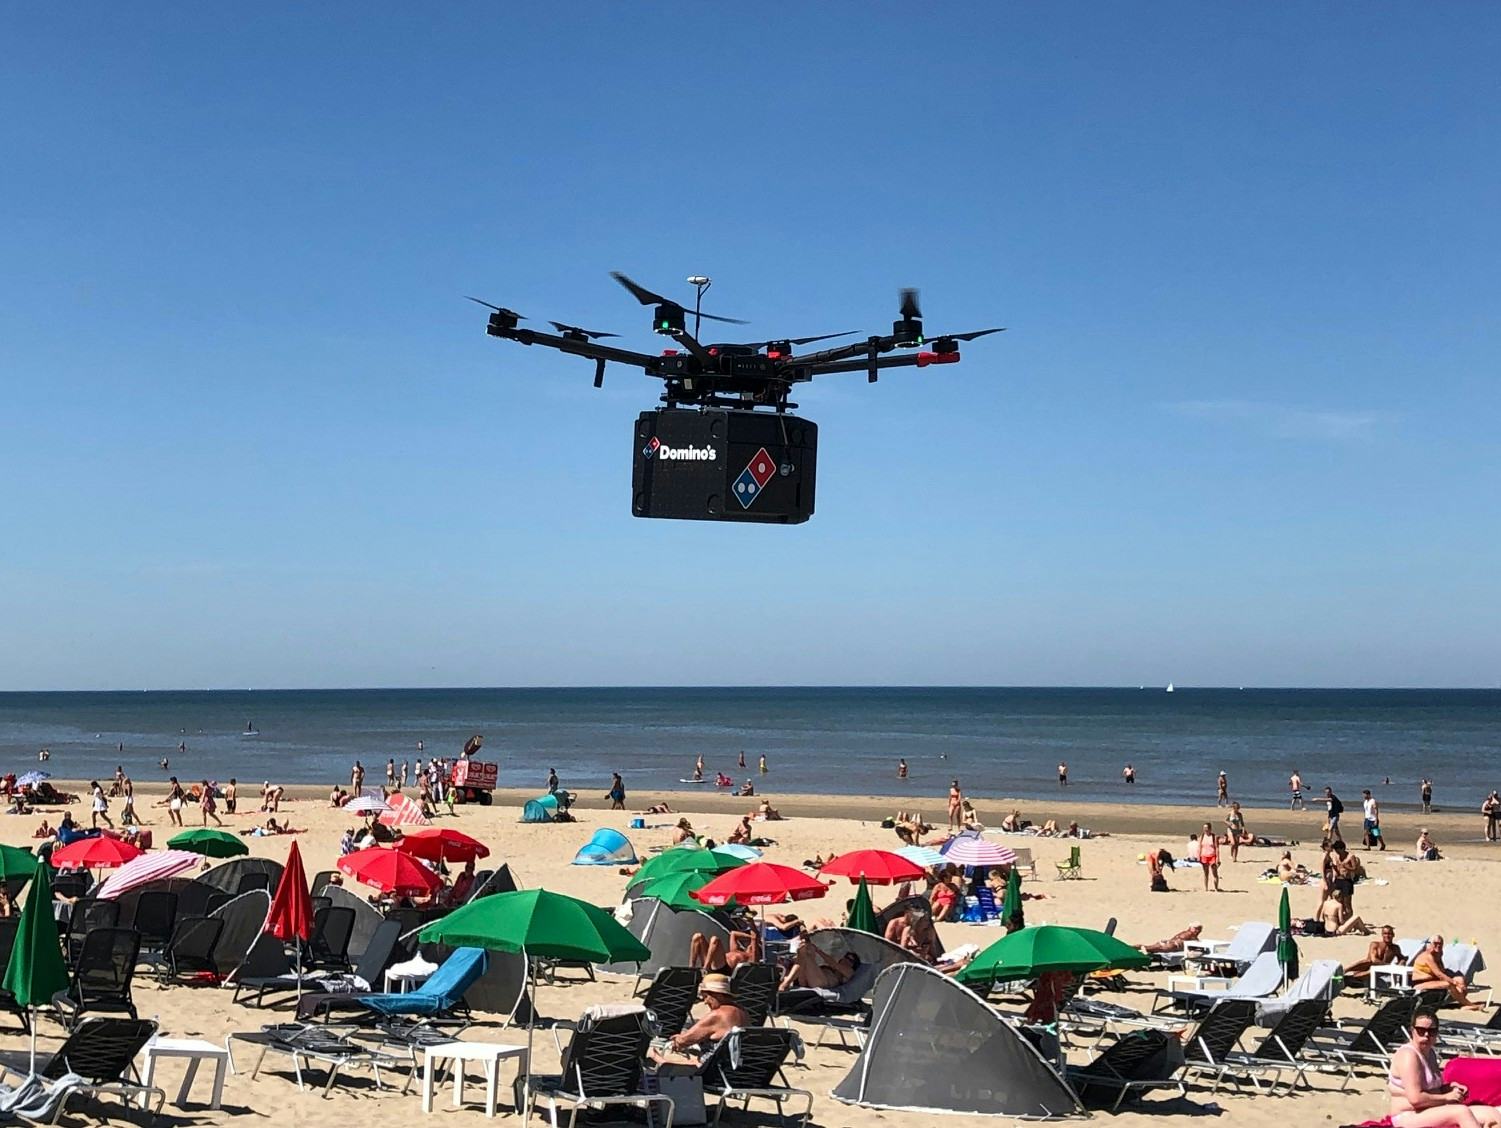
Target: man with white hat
column 723, row 1015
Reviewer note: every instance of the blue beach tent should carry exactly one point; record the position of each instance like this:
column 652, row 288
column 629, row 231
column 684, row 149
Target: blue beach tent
column 607, row 848
column 541, row 809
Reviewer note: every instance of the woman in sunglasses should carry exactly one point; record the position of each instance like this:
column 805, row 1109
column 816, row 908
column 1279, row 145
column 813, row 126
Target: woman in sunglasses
column 1420, row 1098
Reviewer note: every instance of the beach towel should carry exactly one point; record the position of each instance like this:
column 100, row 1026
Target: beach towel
column 1482, row 1076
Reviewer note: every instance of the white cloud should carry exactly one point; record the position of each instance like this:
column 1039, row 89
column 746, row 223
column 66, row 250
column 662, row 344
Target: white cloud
column 1281, row 421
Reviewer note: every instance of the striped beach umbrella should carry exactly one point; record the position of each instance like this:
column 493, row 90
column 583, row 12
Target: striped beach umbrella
column 31, row 779
column 968, row 851
column 367, row 805
column 150, row 866
column 924, row 856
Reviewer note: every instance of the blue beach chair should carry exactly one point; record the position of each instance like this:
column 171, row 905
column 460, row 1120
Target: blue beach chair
column 443, row 991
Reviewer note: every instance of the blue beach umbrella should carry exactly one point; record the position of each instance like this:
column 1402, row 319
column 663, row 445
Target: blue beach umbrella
column 924, row 856
column 32, row 778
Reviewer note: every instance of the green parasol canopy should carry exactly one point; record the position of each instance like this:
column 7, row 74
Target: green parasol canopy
column 862, row 912
column 675, row 889
column 1011, row 903
column 540, row 923
column 686, row 859
column 1050, row 947
column 36, row 970
column 209, row 842
column 16, row 861
column 1287, row 947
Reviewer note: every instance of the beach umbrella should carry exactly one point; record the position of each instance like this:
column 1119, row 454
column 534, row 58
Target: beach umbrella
column 676, row 889
column 924, row 856
column 862, row 912
column 445, row 843
column 16, row 862
column 209, row 842
column 36, row 970
column 390, row 871
column 150, row 866
column 536, row 922
column 738, row 851
column 367, row 805
column 95, row 853
column 967, row 850
column 761, row 883
column 1050, row 947
column 31, row 779
column 291, row 915
column 883, row 867
column 683, row 858
column 1287, row 947
column 1011, row 903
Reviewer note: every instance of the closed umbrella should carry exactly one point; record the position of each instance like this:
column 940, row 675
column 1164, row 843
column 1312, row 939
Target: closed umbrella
column 150, row 866
column 1050, row 947
column 390, row 871
column 291, row 915
column 536, row 922
column 862, row 912
column 95, row 853
column 1013, row 916
column 883, row 867
column 209, row 842
column 36, row 970
column 1287, row 947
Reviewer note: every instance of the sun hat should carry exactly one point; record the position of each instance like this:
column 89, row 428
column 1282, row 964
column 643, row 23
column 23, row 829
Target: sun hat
column 714, row 984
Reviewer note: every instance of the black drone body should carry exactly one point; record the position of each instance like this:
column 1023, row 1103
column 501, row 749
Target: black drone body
column 724, row 448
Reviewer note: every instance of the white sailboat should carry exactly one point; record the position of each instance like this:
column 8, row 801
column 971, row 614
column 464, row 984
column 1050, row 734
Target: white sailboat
column 1170, row 687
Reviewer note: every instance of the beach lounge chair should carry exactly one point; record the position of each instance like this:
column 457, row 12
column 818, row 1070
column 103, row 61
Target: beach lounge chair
column 97, row 1059
column 1470, row 1037
column 217, row 901
column 328, row 946
column 252, row 881
column 266, row 967
column 1315, row 983
column 87, row 916
column 747, row 1065
column 985, row 903
column 1370, row 1044
column 670, row 997
column 1233, row 956
column 321, row 991
column 1073, row 868
column 101, row 981
column 190, row 950
column 155, row 914
column 1286, row 1045
column 601, row 1066
column 305, row 1044
column 441, row 995
column 1216, row 1039
column 1260, row 980
column 8, row 926
column 1136, row 1063
column 755, row 988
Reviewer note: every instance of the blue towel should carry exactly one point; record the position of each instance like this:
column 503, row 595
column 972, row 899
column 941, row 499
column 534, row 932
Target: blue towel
column 443, row 989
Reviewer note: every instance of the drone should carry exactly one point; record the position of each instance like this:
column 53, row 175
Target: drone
column 723, row 447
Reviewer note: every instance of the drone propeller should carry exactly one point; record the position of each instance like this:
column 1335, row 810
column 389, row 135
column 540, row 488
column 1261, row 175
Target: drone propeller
column 800, row 340
column 646, row 297
column 909, row 305
column 574, row 330
column 496, row 308
column 974, row 335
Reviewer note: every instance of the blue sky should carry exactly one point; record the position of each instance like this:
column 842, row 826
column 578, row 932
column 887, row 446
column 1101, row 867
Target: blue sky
column 1240, row 430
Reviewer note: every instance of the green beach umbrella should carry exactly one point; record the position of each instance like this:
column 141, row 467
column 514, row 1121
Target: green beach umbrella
column 1287, row 947
column 862, row 912
column 209, row 842
column 685, row 859
column 16, row 861
column 1011, row 903
column 1050, row 947
column 36, row 970
column 675, row 889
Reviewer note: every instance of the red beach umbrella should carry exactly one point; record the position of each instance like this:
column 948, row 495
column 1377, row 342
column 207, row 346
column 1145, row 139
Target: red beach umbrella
column 442, row 842
column 760, row 883
column 95, row 853
column 291, row 915
column 389, row 870
column 879, row 867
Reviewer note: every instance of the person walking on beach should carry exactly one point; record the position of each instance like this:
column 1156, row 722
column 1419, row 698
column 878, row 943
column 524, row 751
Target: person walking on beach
column 616, row 794
column 1333, row 809
column 956, row 807
column 1491, row 809
column 356, row 778
column 174, row 802
column 403, row 782
column 1062, row 773
column 1128, row 773
column 1370, row 825
column 1209, row 856
column 128, row 811
column 101, row 805
column 1222, row 796
column 207, row 805
column 1425, row 793
column 1295, row 781
column 1235, row 830
column 901, row 769
column 231, row 796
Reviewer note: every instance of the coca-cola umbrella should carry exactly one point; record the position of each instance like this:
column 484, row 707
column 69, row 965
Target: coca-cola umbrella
column 761, row 883
column 442, row 842
column 94, row 853
column 390, row 871
column 879, row 867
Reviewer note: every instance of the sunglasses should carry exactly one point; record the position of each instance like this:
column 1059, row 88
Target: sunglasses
column 1425, row 1031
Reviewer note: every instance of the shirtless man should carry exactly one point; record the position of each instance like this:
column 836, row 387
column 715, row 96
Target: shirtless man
column 723, row 1016
column 1382, row 951
column 1428, row 974
column 1295, row 781
column 815, row 968
column 915, row 933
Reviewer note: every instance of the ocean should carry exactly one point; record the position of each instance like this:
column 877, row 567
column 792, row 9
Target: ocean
column 1004, row 741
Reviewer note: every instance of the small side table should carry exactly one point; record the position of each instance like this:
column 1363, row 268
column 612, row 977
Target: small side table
column 401, row 982
column 491, row 1053
column 1396, row 978
column 195, row 1050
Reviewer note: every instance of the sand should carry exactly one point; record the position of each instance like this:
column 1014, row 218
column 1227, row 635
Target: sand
column 1457, row 896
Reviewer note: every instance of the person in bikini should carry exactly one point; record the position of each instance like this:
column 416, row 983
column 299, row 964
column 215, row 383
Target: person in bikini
column 1428, row 974
column 956, row 807
column 1420, row 1098
column 1209, row 856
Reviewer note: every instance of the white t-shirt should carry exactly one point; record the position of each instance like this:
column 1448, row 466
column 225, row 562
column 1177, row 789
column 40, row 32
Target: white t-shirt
column 1369, row 807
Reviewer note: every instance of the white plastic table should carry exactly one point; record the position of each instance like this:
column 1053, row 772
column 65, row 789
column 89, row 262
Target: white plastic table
column 195, row 1050
column 1391, row 977
column 491, row 1053
column 401, row 982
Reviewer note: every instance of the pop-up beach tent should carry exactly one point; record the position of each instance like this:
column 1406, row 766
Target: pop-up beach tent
column 243, row 918
column 541, row 809
column 226, row 876
column 366, row 920
column 607, row 848
column 936, row 1046
column 668, row 932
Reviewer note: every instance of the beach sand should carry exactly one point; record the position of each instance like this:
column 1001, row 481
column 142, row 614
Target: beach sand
column 1457, row 896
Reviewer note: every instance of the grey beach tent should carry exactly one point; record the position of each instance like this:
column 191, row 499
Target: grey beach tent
column 243, row 918
column 226, row 876
column 668, row 933
column 366, row 920
column 936, row 1046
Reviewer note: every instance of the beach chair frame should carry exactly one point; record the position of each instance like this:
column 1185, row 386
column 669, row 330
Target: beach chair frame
column 1072, row 869
column 1371, row 1044
column 305, row 1044
column 102, row 1052
column 761, row 1052
column 601, row 1066
column 190, row 950
column 670, row 998
column 1112, row 1069
column 102, row 979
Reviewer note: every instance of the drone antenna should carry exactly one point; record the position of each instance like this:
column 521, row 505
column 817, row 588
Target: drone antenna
column 700, row 283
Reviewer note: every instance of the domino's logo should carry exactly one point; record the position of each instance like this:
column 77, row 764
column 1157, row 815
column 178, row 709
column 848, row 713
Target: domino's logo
column 651, row 447
column 753, row 478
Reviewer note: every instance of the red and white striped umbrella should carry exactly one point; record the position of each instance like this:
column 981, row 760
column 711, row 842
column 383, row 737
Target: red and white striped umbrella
column 150, row 866
column 968, row 851
column 405, row 811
